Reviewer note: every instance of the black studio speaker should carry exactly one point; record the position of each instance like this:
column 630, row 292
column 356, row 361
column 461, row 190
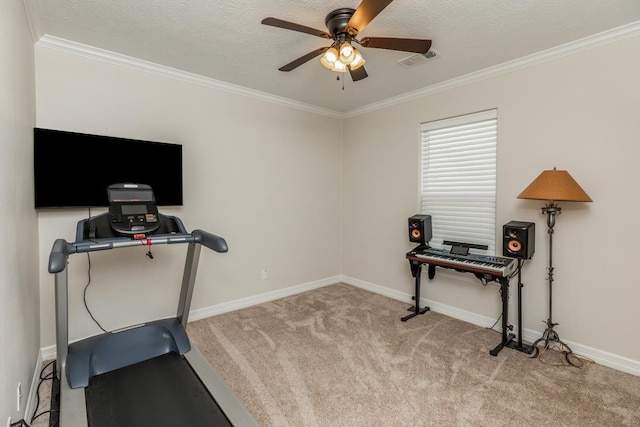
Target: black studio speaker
column 518, row 239
column 420, row 229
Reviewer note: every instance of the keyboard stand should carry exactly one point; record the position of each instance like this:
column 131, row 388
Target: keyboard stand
column 416, row 272
column 507, row 336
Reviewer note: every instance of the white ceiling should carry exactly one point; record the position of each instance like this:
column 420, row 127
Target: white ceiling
column 225, row 40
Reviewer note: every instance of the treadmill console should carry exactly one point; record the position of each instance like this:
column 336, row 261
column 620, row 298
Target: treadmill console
column 132, row 209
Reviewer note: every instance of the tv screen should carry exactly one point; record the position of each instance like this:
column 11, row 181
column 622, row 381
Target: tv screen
column 74, row 169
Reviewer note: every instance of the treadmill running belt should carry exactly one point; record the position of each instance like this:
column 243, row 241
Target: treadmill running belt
column 163, row 391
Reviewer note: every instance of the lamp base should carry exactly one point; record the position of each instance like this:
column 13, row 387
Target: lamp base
column 550, row 340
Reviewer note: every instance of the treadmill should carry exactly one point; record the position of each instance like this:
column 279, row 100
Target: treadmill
column 143, row 375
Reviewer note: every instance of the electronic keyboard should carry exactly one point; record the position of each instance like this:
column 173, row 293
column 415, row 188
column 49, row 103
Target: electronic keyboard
column 474, row 263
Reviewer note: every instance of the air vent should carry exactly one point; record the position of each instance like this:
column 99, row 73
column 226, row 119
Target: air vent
column 417, row 59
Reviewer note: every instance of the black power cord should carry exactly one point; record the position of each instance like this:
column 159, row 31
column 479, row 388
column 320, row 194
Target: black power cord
column 512, row 275
column 494, row 324
column 50, row 412
column 84, row 294
column 53, row 421
column 146, row 243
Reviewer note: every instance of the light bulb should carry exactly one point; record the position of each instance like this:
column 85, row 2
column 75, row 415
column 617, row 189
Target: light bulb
column 339, row 67
column 329, row 58
column 347, row 54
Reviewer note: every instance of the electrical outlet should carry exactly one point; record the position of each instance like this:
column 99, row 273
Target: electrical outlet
column 263, row 275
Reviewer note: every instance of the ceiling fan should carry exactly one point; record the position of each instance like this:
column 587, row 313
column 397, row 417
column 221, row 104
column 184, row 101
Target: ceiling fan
column 344, row 25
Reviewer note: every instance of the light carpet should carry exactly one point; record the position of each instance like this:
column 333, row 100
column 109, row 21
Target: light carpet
column 340, row 356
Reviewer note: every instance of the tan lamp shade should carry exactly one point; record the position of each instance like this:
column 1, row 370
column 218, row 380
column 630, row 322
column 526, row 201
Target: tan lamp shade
column 554, row 185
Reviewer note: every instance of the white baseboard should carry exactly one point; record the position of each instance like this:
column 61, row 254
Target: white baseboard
column 48, row 353
column 448, row 310
column 598, row 356
column 226, row 307
column 33, row 390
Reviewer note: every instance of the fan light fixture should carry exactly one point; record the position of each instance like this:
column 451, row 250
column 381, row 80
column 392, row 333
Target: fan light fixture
column 343, row 26
column 343, row 59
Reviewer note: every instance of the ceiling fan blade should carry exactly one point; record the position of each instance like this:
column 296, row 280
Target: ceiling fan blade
column 364, row 14
column 275, row 22
column 358, row 74
column 305, row 58
column 405, row 45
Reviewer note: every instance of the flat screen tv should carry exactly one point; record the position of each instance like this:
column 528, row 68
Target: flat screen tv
column 74, row 169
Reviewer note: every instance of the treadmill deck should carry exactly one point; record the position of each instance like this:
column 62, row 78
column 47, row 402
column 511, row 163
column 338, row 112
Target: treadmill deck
column 163, row 391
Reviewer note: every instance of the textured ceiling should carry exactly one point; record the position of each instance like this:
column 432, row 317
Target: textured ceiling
column 225, row 41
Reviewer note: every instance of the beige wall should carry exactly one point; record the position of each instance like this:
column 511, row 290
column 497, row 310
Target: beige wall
column 19, row 314
column 578, row 113
column 309, row 197
column 265, row 177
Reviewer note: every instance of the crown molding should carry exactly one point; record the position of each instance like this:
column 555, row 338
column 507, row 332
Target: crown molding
column 90, row 52
column 587, row 43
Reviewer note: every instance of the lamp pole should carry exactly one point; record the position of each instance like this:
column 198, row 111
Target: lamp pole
column 550, row 335
column 551, row 210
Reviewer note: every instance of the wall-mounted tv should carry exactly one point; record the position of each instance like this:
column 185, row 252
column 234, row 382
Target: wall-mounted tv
column 74, row 169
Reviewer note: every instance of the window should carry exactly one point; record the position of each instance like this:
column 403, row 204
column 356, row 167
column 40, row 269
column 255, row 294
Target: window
column 458, row 178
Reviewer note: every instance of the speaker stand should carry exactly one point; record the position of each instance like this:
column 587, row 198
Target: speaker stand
column 550, row 338
column 519, row 345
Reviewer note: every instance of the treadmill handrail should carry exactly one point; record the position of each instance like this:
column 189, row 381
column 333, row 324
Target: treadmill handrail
column 59, row 255
column 122, row 242
column 211, row 241
column 62, row 249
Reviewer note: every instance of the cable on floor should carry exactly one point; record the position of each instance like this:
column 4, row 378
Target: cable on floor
column 43, row 378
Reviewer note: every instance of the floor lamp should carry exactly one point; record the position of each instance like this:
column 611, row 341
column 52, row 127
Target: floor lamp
column 552, row 186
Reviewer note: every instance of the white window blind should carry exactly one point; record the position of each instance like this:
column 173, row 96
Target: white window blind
column 458, row 179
